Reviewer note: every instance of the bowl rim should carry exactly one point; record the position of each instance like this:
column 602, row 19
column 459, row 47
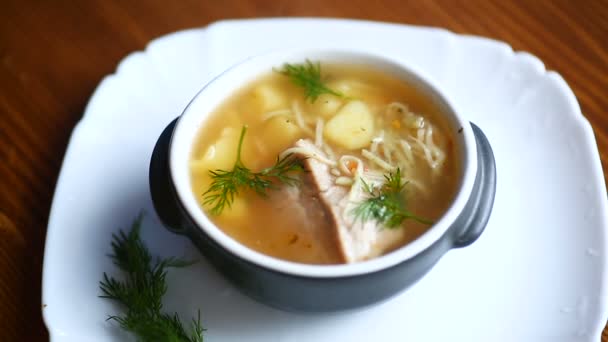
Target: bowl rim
column 226, row 83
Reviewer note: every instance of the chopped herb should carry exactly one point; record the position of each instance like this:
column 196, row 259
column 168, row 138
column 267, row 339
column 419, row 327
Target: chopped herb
column 142, row 289
column 386, row 204
column 308, row 76
column 225, row 185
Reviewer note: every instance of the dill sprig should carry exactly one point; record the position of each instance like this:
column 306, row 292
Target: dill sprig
column 308, row 76
column 387, row 204
column 142, row 290
column 225, row 185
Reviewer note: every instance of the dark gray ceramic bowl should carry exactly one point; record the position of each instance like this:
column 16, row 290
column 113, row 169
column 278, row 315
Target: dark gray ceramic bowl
column 317, row 288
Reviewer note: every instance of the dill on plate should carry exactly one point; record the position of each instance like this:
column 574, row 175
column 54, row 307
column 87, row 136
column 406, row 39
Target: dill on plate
column 140, row 290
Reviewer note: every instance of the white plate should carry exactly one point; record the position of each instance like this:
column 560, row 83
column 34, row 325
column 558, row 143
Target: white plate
column 538, row 273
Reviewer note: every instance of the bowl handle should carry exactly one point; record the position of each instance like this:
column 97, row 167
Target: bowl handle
column 478, row 209
column 161, row 186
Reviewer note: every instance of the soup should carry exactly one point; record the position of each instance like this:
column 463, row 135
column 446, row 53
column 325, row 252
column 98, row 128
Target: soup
column 328, row 165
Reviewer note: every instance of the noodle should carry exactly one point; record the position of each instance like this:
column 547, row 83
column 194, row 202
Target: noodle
column 270, row 115
column 300, row 120
column 436, row 152
column 344, row 181
column 346, row 159
column 427, row 153
column 377, row 160
column 377, row 141
column 319, row 133
column 407, row 150
column 330, row 153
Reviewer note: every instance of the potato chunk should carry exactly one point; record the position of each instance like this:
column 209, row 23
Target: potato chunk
column 281, row 131
column 348, row 87
column 268, row 98
column 222, row 153
column 352, row 127
column 326, row 105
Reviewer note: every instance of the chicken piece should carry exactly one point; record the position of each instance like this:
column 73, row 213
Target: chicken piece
column 355, row 240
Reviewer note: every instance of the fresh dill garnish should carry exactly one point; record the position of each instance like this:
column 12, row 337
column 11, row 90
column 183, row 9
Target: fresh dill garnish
column 141, row 291
column 386, row 204
column 308, row 76
column 225, row 185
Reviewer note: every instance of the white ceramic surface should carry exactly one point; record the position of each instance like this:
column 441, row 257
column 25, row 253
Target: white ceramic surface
column 537, row 273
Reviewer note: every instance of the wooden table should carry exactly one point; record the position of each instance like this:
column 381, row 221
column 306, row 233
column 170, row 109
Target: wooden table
column 53, row 54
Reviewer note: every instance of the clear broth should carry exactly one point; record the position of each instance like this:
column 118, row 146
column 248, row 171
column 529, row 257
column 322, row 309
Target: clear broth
column 271, row 227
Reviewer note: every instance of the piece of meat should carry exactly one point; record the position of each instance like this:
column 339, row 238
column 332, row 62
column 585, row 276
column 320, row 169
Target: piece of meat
column 301, row 204
column 355, row 240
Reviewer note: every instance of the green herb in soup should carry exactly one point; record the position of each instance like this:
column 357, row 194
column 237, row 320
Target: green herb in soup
column 342, row 154
column 228, row 184
column 308, row 76
column 387, row 204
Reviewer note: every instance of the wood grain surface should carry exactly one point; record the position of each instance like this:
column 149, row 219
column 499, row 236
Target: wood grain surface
column 54, row 53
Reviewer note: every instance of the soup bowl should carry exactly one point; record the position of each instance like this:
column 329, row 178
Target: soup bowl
column 319, row 288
